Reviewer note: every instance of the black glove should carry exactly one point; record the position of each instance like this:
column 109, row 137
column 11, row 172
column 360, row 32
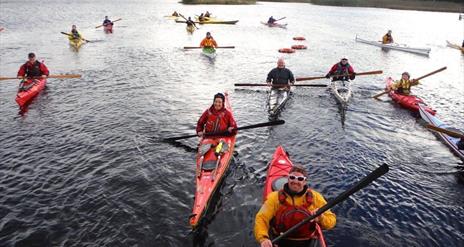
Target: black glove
column 327, row 76
column 352, row 76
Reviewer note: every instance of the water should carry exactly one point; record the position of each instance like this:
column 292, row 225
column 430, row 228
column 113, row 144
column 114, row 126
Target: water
column 84, row 167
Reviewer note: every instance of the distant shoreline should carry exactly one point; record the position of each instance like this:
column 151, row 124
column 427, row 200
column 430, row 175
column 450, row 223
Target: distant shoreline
column 421, row 5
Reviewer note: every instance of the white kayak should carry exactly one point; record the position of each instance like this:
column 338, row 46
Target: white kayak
column 275, row 24
column 342, row 91
column 395, row 46
column 277, row 99
column 450, row 141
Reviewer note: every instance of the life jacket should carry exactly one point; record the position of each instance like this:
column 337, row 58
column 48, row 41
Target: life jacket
column 341, row 70
column 387, row 39
column 289, row 215
column 216, row 122
column 33, row 70
column 208, row 42
column 404, row 87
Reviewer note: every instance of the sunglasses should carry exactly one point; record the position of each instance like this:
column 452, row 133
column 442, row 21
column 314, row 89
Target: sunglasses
column 291, row 177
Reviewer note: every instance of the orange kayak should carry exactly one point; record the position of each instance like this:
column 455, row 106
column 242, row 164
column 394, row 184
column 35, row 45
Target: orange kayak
column 35, row 86
column 276, row 178
column 212, row 162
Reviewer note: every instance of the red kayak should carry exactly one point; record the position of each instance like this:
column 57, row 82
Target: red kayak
column 212, row 161
column 23, row 97
column 108, row 28
column 276, row 178
column 409, row 102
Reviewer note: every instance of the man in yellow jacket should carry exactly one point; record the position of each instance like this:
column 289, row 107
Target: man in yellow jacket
column 387, row 38
column 403, row 86
column 289, row 206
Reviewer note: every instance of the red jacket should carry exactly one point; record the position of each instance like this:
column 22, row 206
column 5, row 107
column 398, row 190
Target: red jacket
column 338, row 69
column 33, row 69
column 216, row 121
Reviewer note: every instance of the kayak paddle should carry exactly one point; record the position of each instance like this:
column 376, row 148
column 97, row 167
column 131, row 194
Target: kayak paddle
column 81, row 38
column 222, row 133
column 322, row 77
column 270, row 85
column 445, row 131
column 187, row 20
column 112, row 22
column 198, row 47
column 381, row 170
column 280, row 19
column 50, row 76
column 420, row 78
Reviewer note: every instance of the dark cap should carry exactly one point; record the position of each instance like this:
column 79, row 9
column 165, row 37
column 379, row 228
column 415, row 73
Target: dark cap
column 219, row 95
column 208, row 33
column 31, row 55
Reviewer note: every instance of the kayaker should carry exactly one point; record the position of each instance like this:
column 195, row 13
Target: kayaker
column 280, row 76
column 208, row 41
column 271, row 20
column 403, row 86
column 216, row 118
column 287, row 207
column 175, row 14
column 341, row 68
column 191, row 23
column 207, row 14
column 201, row 17
column 75, row 35
column 387, row 38
column 107, row 21
column 31, row 69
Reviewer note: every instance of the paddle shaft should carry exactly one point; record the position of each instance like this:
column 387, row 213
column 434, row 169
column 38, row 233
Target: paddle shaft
column 198, row 47
column 322, row 77
column 112, row 22
column 280, row 19
column 50, row 76
column 223, row 133
column 445, row 131
column 271, row 85
column 381, row 170
column 419, row 78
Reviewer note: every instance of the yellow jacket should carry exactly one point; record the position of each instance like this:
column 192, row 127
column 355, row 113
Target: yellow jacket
column 404, row 86
column 386, row 39
column 71, row 37
column 272, row 204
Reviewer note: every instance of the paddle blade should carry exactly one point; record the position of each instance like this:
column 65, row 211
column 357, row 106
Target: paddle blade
column 445, row 131
column 381, row 170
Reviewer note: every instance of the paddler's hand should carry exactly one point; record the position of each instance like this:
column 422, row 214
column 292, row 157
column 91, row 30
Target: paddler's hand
column 318, row 218
column 230, row 129
column 20, row 77
column 200, row 134
column 266, row 243
column 327, row 76
column 43, row 76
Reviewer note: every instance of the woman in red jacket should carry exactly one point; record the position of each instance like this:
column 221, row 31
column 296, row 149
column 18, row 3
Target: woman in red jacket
column 216, row 118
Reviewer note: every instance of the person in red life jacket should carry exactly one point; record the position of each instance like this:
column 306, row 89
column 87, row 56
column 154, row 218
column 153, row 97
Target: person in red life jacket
column 289, row 206
column 32, row 69
column 341, row 68
column 216, row 118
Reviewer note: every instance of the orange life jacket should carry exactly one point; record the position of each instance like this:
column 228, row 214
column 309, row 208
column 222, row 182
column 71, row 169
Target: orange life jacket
column 289, row 215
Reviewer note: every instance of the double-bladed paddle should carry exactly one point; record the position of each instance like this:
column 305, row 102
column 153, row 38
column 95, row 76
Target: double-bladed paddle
column 322, row 77
column 381, row 170
column 80, row 38
column 280, row 19
column 112, row 22
column 276, row 85
column 50, row 76
column 224, row 133
column 198, row 47
column 422, row 77
column 187, row 20
column 445, row 131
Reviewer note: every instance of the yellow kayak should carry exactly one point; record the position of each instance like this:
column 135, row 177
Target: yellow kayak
column 455, row 46
column 76, row 43
column 190, row 29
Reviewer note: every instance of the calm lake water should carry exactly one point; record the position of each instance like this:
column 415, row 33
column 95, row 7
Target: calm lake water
column 84, row 165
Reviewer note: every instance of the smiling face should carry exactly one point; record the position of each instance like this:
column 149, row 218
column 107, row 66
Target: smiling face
column 218, row 103
column 405, row 76
column 296, row 181
column 344, row 61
